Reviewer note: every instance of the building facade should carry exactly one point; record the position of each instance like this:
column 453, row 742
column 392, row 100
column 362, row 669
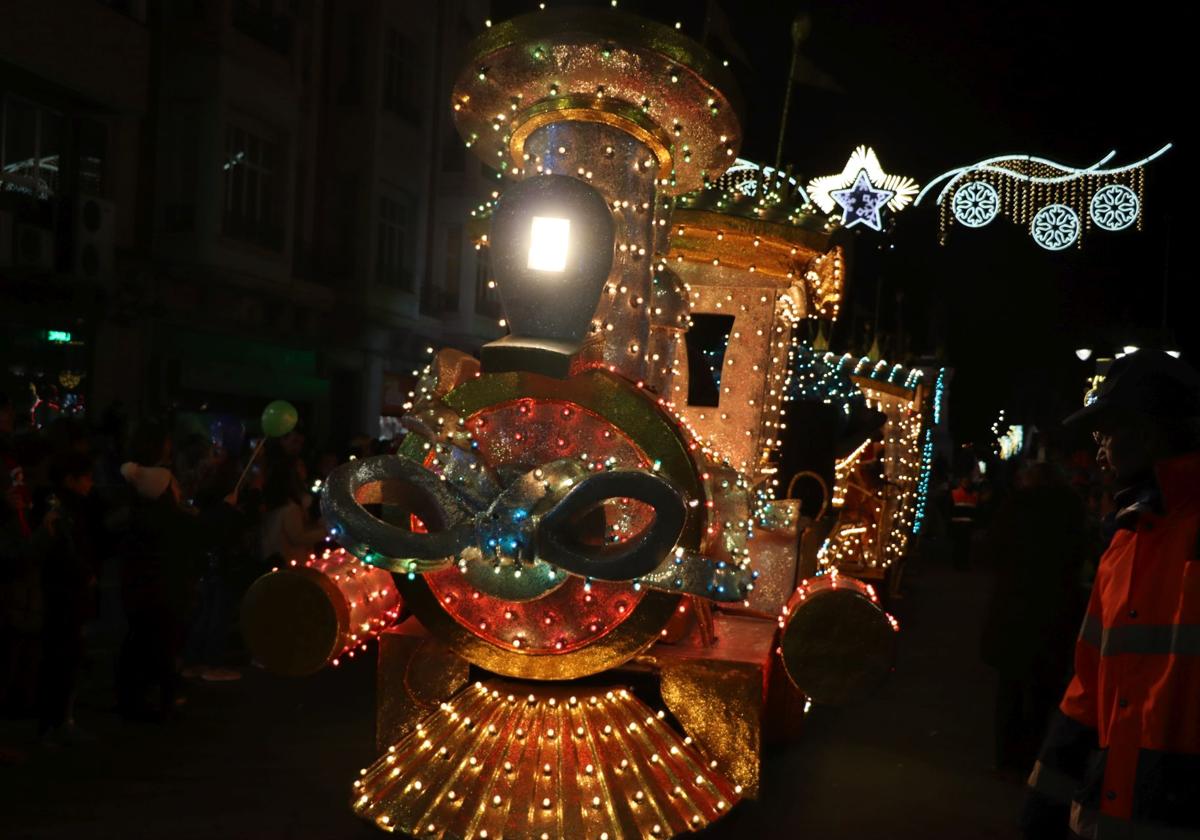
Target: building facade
column 281, row 199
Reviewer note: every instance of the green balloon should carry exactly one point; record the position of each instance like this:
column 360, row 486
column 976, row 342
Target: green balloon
column 279, row 418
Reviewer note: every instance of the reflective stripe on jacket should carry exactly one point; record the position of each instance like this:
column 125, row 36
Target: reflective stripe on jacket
column 1124, row 748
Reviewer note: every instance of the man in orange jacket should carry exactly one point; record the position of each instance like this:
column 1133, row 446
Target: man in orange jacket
column 1122, row 757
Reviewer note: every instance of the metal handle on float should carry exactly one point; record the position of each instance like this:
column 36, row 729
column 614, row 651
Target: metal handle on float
column 387, row 479
column 824, row 490
column 624, row 561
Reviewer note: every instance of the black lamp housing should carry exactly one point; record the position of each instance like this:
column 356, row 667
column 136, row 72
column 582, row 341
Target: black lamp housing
column 549, row 288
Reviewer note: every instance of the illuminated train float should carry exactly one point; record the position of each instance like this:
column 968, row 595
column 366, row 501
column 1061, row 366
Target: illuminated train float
column 587, row 527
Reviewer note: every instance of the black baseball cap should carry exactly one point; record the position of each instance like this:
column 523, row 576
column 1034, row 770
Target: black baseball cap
column 1150, row 383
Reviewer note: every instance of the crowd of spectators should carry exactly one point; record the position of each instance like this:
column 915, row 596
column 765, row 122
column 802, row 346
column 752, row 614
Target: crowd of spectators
column 175, row 520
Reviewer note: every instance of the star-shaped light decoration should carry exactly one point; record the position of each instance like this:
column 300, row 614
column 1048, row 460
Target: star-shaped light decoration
column 862, row 203
column 892, row 191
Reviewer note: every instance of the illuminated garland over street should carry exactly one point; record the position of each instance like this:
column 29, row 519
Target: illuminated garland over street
column 1059, row 203
column 1056, row 202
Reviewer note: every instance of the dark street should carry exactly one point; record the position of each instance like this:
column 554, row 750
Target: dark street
column 273, row 758
column 646, row 419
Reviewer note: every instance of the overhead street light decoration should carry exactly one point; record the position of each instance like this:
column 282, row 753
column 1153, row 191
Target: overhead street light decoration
column 862, row 190
column 1058, row 203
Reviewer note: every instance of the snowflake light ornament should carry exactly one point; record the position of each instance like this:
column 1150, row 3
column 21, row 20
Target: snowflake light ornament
column 1114, row 207
column 975, row 204
column 1055, row 227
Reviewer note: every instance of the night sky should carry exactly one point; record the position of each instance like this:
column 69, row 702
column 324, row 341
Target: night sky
column 937, row 85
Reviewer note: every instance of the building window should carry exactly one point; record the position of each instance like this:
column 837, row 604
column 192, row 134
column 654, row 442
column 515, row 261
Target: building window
column 454, row 157
column 252, row 189
column 454, row 246
column 353, row 68
column 487, row 296
column 349, row 225
column 393, row 263
column 259, row 20
column 304, row 250
column 130, row 8
column 30, row 148
column 179, row 185
column 401, row 63
column 93, row 151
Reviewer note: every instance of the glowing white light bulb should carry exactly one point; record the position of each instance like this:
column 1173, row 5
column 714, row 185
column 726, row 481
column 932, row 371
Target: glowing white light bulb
column 548, row 243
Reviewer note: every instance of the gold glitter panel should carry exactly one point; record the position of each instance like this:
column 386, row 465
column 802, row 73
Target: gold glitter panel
column 453, row 368
column 507, row 760
column 741, row 427
column 695, row 688
column 670, row 310
column 774, row 554
column 715, row 686
column 720, row 704
column 773, row 250
column 415, row 674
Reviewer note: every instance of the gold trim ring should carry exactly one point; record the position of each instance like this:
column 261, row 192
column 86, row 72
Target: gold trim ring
column 654, row 432
column 578, row 108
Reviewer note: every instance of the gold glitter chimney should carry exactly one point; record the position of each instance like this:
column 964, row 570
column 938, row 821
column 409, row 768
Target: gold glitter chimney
column 632, row 108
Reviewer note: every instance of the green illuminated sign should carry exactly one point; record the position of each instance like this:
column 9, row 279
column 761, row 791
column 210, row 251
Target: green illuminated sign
column 58, row 336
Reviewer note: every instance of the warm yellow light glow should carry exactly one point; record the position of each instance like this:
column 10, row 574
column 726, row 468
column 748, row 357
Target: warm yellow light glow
column 548, row 243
